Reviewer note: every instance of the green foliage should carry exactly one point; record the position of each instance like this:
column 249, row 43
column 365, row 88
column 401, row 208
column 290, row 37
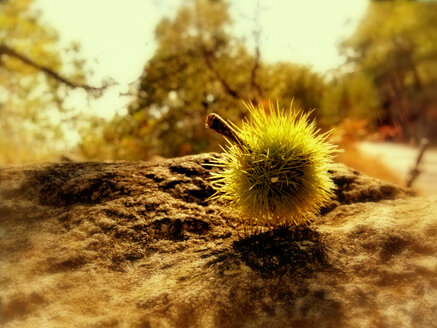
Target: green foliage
column 289, row 82
column 395, row 48
column 178, row 87
column 200, row 67
column 279, row 174
column 117, row 139
column 353, row 96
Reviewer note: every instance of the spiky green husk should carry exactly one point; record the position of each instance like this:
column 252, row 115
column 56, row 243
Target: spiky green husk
column 279, row 175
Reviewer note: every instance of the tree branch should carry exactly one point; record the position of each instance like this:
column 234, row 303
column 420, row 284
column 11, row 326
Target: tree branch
column 208, row 56
column 256, row 65
column 256, row 35
column 8, row 51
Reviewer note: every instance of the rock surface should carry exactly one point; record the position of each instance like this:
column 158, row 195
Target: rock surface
column 138, row 244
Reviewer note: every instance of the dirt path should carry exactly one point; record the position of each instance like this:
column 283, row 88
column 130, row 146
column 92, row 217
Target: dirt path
column 401, row 158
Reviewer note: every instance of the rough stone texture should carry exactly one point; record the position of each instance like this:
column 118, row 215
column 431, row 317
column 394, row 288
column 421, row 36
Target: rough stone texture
column 138, row 244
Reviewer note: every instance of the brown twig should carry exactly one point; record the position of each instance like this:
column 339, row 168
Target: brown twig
column 219, row 125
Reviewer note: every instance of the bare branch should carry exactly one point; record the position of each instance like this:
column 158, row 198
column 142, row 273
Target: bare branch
column 209, row 58
column 256, row 65
column 256, row 35
column 415, row 171
column 8, row 51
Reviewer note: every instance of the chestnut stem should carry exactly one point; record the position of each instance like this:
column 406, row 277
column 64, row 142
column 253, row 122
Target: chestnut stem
column 219, row 125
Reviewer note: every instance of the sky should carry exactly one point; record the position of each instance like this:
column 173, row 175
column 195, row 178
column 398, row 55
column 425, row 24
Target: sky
column 117, row 37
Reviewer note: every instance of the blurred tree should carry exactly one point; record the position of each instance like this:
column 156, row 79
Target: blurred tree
column 395, row 47
column 200, row 67
column 287, row 82
column 32, row 88
column 353, row 96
